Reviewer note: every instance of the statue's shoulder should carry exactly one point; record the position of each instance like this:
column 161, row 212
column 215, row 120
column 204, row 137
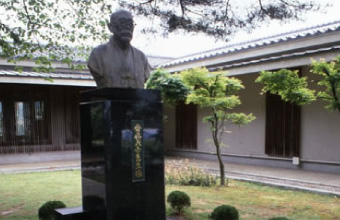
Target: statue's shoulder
column 138, row 51
column 100, row 48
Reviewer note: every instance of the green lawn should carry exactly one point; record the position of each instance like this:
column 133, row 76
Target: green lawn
column 22, row 194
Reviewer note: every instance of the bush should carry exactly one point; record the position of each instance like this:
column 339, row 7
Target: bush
column 225, row 212
column 185, row 174
column 178, row 200
column 172, row 88
column 46, row 211
column 279, row 218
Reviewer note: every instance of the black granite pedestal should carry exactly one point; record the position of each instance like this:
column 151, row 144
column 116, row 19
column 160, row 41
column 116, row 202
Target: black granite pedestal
column 122, row 155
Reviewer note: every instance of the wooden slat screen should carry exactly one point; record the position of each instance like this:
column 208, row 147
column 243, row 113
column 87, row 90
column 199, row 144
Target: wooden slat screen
column 282, row 128
column 26, row 118
column 36, row 118
column 72, row 116
column 186, row 126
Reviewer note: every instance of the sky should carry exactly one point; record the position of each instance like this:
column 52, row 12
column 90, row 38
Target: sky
column 177, row 45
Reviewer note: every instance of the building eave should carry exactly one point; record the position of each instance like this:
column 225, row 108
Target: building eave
column 42, row 81
column 262, row 49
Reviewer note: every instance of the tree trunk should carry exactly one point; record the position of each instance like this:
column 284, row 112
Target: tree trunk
column 215, row 131
column 218, row 151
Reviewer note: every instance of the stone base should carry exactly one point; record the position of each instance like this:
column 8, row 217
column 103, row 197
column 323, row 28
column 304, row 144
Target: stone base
column 77, row 213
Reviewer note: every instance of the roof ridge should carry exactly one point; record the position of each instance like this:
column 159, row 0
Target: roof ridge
column 288, row 33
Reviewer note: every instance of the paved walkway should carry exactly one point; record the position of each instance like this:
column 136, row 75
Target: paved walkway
column 326, row 183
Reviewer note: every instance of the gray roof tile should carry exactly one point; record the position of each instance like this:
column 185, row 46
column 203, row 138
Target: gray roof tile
column 77, row 76
column 235, row 47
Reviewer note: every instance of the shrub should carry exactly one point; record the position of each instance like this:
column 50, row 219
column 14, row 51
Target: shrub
column 225, row 212
column 46, row 211
column 185, row 174
column 178, row 200
column 279, row 218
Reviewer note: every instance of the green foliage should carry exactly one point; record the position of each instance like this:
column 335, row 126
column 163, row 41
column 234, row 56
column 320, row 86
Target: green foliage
column 279, row 218
column 219, row 93
column 293, row 88
column 216, row 91
column 172, row 88
column 46, row 211
column 225, row 212
column 330, row 73
column 40, row 27
column 48, row 30
column 288, row 85
column 178, row 200
column 187, row 174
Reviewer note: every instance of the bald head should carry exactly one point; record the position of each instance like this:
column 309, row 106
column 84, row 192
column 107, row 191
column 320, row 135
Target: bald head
column 120, row 14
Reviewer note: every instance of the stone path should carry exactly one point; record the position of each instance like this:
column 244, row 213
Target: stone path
column 324, row 183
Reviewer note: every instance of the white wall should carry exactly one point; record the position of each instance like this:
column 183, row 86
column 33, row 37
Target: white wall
column 320, row 130
column 245, row 140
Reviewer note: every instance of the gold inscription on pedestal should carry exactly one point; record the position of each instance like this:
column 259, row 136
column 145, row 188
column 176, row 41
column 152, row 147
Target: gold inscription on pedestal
column 138, row 151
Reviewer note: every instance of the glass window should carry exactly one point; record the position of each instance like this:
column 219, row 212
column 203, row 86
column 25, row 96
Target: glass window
column 1, row 121
column 39, row 109
column 22, row 119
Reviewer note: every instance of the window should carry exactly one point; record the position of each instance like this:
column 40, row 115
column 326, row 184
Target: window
column 22, row 118
column 282, row 127
column 39, row 110
column 41, row 122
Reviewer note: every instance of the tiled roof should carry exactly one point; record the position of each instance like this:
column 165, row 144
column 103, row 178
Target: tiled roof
column 68, row 74
column 236, row 47
column 283, row 56
column 56, row 75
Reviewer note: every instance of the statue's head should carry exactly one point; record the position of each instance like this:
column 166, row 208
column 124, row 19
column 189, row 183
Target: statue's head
column 121, row 25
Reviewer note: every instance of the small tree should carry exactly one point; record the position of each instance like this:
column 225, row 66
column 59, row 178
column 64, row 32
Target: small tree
column 179, row 200
column 288, row 85
column 330, row 73
column 219, row 93
column 292, row 88
column 172, row 88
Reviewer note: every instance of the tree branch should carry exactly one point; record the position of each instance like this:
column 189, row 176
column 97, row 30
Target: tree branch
column 147, row 2
column 263, row 9
column 27, row 15
column 333, row 88
column 182, row 7
column 226, row 16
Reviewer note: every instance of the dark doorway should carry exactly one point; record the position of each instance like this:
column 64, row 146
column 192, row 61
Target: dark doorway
column 282, row 127
column 186, row 126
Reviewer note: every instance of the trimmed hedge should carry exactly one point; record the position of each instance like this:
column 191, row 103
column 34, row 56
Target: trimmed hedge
column 46, row 211
column 225, row 212
column 178, row 200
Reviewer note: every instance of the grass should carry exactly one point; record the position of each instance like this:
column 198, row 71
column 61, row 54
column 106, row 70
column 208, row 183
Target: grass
column 22, row 194
column 258, row 202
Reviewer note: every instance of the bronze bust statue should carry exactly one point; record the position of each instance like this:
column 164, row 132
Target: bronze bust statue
column 117, row 63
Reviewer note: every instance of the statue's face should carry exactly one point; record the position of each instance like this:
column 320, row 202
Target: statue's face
column 122, row 28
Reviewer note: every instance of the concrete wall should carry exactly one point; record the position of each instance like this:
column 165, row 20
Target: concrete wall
column 246, row 140
column 320, row 136
column 319, row 143
column 320, row 128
